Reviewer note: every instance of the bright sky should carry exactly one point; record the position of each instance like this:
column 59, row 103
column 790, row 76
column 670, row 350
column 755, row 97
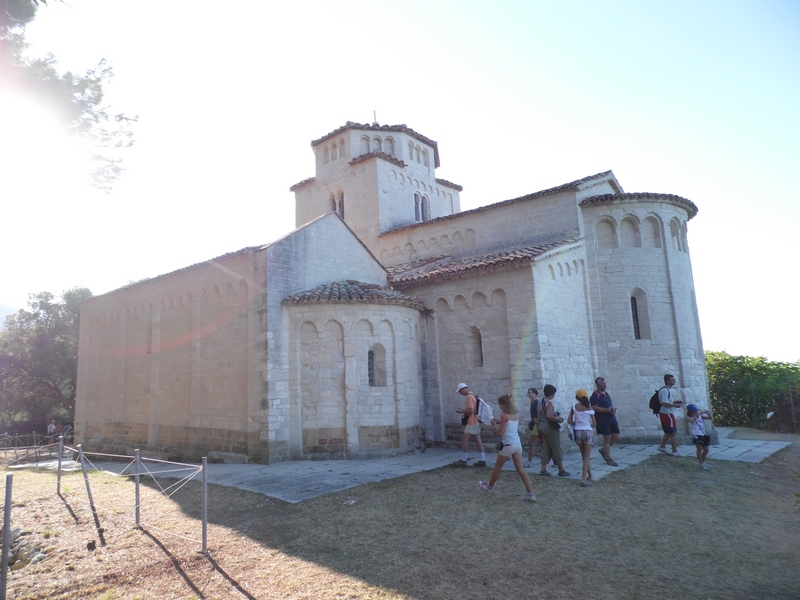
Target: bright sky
column 699, row 99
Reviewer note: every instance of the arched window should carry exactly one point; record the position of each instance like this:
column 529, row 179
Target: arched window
column 477, row 347
column 334, row 152
column 417, row 207
column 340, row 204
column 424, row 157
column 376, row 144
column 334, row 206
column 388, row 146
column 639, row 315
column 416, row 153
column 410, row 151
column 426, row 209
column 326, row 156
column 376, row 366
column 364, row 145
column 341, row 148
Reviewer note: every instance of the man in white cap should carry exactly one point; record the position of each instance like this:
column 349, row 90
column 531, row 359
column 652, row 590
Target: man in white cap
column 472, row 426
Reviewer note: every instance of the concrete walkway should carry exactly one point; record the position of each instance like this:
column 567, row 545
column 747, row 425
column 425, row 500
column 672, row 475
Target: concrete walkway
column 295, row 481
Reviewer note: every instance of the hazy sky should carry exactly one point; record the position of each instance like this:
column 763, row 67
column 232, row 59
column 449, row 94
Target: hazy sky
column 699, row 99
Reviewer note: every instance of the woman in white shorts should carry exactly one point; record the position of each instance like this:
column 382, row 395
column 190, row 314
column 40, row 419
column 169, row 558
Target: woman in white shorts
column 581, row 417
column 508, row 428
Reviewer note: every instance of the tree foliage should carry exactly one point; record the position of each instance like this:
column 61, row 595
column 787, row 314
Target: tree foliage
column 39, row 357
column 745, row 389
column 77, row 98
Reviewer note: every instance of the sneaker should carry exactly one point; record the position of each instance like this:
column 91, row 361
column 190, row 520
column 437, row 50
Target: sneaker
column 564, row 473
column 676, row 454
column 705, row 467
column 480, row 463
column 460, row 463
column 529, row 497
column 663, row 450
column 485, row 486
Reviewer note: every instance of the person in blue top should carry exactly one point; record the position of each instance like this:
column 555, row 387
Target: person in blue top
column 606, row 417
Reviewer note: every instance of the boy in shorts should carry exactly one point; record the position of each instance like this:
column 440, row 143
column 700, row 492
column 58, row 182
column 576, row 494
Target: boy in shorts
column 698, row 429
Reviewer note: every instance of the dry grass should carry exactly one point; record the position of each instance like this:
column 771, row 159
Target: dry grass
column 660, row 529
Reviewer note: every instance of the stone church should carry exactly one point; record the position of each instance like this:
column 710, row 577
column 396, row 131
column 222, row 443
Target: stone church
column 347, row 337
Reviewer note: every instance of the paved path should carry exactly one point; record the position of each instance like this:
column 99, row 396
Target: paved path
column 295, row 481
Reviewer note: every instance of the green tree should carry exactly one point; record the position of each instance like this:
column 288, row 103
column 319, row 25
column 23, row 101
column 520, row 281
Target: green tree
column 39, row 357
column 78, row 98
column 745, row 389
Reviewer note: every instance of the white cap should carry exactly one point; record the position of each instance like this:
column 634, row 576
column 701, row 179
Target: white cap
column 460, row 387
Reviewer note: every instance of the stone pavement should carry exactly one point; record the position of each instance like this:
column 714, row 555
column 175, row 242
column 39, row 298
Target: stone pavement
column 295, row 481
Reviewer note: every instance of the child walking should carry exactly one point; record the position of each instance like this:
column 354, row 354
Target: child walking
column 698, row 429
column 508, row 428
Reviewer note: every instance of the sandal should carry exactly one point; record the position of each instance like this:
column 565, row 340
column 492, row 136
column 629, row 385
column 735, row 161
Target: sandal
column 545, row 474
column 612, row 462
column 564, row 473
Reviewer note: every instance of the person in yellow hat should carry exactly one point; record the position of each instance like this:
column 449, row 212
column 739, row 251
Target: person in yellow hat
column 581, row 417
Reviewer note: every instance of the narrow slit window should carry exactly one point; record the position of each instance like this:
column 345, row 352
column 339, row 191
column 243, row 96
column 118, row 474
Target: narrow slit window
column 637, row 335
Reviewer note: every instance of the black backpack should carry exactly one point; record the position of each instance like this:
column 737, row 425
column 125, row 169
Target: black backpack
column 655, row 405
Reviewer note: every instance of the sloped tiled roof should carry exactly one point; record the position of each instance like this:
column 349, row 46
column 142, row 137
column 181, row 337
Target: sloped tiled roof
column 354, row 292
column 561, row 188
column 690, row 206
column 450, row 184
column 396, row 128
column 447, row 268
column 377, row 154
column 300, row 184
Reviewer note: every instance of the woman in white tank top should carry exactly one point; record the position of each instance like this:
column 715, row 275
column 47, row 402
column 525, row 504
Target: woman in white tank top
column 581, row 417
column 508, row 428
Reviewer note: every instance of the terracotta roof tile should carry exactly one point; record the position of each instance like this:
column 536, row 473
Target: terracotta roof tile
column 300, row 184
column 396, row 128
column 377, row 154
column 450, row 184
column 447, row 267
column 561, row 188
column 690, row 206
column 354, row 292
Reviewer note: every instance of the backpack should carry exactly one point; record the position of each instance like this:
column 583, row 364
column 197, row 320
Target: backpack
column 484, row 411
column 655, row 405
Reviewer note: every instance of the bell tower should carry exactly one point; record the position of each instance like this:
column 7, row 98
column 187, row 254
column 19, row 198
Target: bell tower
column 377, row 178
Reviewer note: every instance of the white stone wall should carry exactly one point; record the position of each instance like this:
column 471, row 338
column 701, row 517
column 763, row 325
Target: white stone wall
column 632, row 252
column 321, row 252
column 336, row 413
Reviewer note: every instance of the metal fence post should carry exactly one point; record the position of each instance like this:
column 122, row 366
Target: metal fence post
column 136, row 452
column 88, row 487
column 6, row 536
column 205, row 506
column 60, row 454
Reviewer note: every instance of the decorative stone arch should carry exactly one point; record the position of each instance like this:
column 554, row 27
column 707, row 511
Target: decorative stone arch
column 459, row 300
column 364, row 326
column 675, row 233
column 418, row 207
column 326, row 155
column 477, row 299
column 442, row 304
column 385, row 255
column 605, row 231
column 640, row 316
column 433, row 243
column 341, row 148
column 417, row 153
column 396, row 251
column 363, row 147
column 560, row 269
column 334, row 152
column 425, row 161
column 629, row 232
column 575, row 266
column 476, row 346
column 552, row 271
column 651, row 232
column 421, row 245
column 444, row 241
column 684, row 237
column 569, row 269
column 410, row 151
column 388, row 146
column 377, row 145
column 408, row 249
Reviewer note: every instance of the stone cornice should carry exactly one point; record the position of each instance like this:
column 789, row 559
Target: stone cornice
column 353, row 292
column 389, row 128
column 450, row 184
column 378, row 154
column 688, row 205
column 301, row 183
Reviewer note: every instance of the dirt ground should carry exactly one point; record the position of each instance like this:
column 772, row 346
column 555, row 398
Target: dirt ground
column 660, row 529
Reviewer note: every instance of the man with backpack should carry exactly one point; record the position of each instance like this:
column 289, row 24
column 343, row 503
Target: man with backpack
column 472, row 426
column 667, row 415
